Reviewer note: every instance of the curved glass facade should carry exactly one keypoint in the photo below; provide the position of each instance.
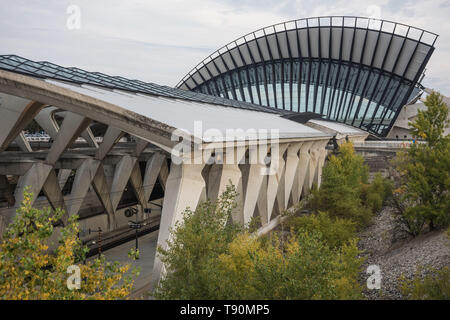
(350, 72)
(344, 93)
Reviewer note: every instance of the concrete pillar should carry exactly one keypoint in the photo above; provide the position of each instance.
(100, 186)
(86, 134)
(163, 174)
(219, 178)
(290, 175)
(303, 167)
(47, 121)
(122, 174)
(89, 137)
(222, 174)
(6, 190)
(322, 153)
(313, 163)
(152, 170)
(140, 147)
(83, 178)
(275, 180)
(71, 128)
(53, 193)
(63, 175)
(15, 114)
(111, 137)
(136, 184)
(34, 179)
(254, 174)
(23, 143)
(185, 185)
(261, 203)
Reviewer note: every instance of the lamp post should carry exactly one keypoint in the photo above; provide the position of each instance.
(136, 225)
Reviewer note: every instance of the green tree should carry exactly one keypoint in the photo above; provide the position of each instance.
(423, 197)
(210, 259)
(341, 190)
(377, 192)
(195, 245)
(29, 269)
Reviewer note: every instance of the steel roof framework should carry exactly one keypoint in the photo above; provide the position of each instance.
(355, 70)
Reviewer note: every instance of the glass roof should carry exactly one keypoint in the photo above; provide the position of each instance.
(44, 69)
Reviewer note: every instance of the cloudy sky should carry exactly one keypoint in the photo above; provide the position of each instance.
(160, 41)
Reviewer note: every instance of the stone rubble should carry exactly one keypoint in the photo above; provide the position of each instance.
(387, 246)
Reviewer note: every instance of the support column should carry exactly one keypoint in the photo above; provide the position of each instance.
(83, 178)
(152, 170)
(290, 175)
(70, 130)
(5, 190)
(303, 167)
(140, 146)
(63, 175)
(252, 189)
(100, 186)
(322, 155)
(136, 184)
(261, 204)
(219, 178)
(122, 174)
(163, 174)
(276, 179)
(15, 114)
(47, 122)
(53, 193)
(86, 134)
(185, 185)
(89, 137)
(23, 143)
(111, 137)
(34, 179)
(314, 159)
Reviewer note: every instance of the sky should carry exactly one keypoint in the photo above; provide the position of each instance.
(160, 41)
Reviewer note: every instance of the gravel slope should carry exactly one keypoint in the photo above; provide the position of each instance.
(385, 245)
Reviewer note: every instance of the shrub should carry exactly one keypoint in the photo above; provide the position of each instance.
(341, 190)
(435, 285)
(335, 231)
(192, 253)
(208, 259)
(376, 193)
(303, 268)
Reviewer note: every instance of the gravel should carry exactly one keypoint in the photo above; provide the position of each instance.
(395, 253)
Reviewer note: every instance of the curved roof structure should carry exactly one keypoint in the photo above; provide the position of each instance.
(148, 111)
(358, 71)
(49, 70)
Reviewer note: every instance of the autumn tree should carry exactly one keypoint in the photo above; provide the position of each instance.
(31, 270)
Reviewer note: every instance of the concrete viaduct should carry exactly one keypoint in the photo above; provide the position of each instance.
(127, 149)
